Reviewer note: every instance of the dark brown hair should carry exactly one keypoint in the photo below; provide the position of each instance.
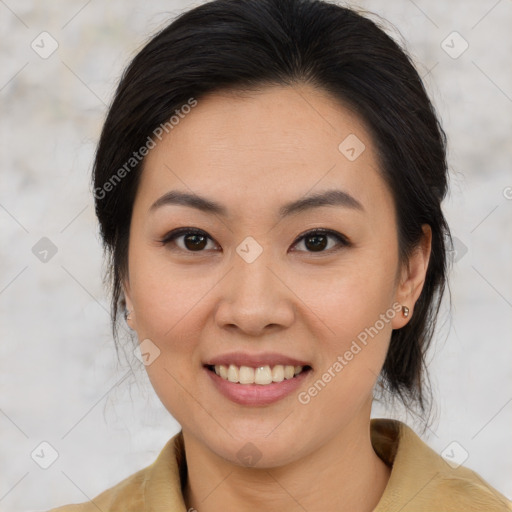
(248, 44)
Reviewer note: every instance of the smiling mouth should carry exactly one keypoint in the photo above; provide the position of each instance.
(262, 375)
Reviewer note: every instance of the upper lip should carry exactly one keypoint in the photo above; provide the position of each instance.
(255, 360)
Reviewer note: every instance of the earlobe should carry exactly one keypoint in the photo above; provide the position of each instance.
(413, 278)
(129, 314)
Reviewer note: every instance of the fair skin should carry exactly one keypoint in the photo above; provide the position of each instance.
(253, 153)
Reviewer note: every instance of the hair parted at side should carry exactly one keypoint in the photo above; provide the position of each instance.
(247, 45)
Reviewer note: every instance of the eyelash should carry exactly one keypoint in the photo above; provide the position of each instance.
(341, 239)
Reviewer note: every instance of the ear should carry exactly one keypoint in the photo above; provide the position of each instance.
(129, 304)
(412, 277)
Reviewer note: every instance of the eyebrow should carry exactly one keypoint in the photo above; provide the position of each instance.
(328, 198)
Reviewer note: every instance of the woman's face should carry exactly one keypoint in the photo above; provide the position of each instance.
(248, 286)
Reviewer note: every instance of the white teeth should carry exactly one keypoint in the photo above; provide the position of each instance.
(289, 372)
(262, 375)
(278, 373)
(223, 371)
(233, 373)
(246, 375)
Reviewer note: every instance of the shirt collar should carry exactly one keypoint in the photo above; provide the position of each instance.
(416, 470)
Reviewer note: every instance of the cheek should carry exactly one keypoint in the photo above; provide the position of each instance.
(168, 305)
(352, 298)
(165, 295)
(351, 354)
(354, 312)
(168, 302)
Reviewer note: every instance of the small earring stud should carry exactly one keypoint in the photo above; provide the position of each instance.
(405, 311)
(127, 314)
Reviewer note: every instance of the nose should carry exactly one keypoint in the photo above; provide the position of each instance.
(254, 297)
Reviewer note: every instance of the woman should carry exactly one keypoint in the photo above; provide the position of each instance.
(268, 184)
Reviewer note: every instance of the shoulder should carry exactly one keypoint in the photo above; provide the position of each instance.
(422, 480)
(127, 495)
(464, 489)
(156, 484)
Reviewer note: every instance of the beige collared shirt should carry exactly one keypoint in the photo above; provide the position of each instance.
(421, 480)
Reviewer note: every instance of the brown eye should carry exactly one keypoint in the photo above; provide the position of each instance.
(194, 242)
(318, 240)
(191, 240)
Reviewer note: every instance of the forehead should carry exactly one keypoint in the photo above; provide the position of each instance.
(254, 149)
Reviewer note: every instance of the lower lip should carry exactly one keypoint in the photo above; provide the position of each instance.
(256, 394)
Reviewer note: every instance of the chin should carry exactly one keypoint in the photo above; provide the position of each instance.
(251, 448)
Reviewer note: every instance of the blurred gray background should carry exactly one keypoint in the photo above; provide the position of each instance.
(60, 380)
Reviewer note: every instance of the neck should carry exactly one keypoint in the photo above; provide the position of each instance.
(344, 474)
